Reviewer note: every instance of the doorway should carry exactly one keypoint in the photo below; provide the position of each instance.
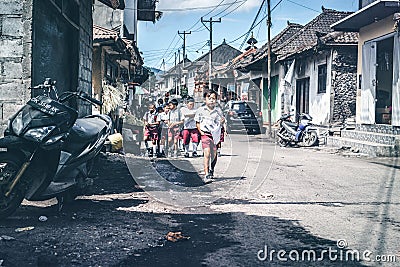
(302, 95)
(56, 44)
(384, 81)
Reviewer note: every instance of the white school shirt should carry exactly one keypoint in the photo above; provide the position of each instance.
(150, 117)
(163, 119)
(210, 121)
(174, 115)
(188, 122)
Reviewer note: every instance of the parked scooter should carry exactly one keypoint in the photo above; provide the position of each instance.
(49, 151)
(300, 132)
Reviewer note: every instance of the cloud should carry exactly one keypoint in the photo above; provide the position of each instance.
(191, 5)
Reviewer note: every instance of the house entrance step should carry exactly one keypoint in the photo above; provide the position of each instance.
(381, 138)
(378, 128)
(370, 148)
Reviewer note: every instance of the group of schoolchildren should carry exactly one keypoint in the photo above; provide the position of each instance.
(171, 128)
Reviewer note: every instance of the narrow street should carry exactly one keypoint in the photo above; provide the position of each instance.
(265, 199)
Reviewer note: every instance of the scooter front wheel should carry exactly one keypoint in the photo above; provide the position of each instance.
(9, 167)
(310, 138)
(282, 143)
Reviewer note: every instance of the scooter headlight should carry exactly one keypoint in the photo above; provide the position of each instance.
(18, 124)
(38, 134)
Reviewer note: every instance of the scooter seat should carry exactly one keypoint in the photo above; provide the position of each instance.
(291, 124)
(86, 129)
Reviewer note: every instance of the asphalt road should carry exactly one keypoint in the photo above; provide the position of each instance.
(269, 206)
(340, 204)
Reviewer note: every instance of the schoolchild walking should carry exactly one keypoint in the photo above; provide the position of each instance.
(190, 132)
(163, 137)
(175, 121)
(151, 130)
(209, 119)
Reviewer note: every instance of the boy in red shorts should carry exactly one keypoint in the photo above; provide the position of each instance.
(151, 130)
(209, 119)
(175, 121)
(190, 131)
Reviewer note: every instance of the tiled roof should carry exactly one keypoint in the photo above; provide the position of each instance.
(285, 34)
(101, 34)
(307, 37)
(120, 4)
(221, 54)
(336, 38)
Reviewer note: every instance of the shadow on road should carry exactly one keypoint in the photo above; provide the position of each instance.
(115, 227)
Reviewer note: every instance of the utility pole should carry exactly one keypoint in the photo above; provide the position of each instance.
(184, 43)
(175, 82)
(211, 21)
(178, 85)
(269, 69)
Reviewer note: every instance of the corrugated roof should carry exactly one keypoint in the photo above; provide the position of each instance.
(101, 33)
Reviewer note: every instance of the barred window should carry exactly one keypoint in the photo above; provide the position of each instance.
(321, 79)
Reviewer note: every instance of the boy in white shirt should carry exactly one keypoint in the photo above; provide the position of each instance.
(209, 119)
(190, 131)
(151, 129)
(163, 130)
(175, 122)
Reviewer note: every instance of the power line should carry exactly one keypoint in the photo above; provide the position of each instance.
(187, 8)
(233, 10)
(226, 9)
(169, 46)
(251, 27)
(207, 14)
(304, 6)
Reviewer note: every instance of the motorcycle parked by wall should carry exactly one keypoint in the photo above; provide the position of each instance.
(48, 150)
(300, 132)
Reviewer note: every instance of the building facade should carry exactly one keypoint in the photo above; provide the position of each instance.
(41, 39)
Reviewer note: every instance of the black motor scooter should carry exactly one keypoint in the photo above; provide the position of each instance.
(47, 150)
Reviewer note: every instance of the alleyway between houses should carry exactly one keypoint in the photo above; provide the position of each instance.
(264, 198)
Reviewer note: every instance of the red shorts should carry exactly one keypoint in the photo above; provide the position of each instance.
(151, 133)
(174, 132)
(207, 141)
(188, 134)
(222, 137)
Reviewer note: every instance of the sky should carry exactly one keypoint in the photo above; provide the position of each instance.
(160, 41)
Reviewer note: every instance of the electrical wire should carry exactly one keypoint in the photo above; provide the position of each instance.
(293, 2)
(252, 24)
(186, 9)
(169, 46)
(251, 28)
(206, 15)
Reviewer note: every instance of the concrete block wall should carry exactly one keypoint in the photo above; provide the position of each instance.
(85, 53)
(15, 56)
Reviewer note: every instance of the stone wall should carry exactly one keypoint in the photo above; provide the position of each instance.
(344, 83)
(85, 53)
(15, 56)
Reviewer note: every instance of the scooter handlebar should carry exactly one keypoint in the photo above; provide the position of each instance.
(90, 99)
